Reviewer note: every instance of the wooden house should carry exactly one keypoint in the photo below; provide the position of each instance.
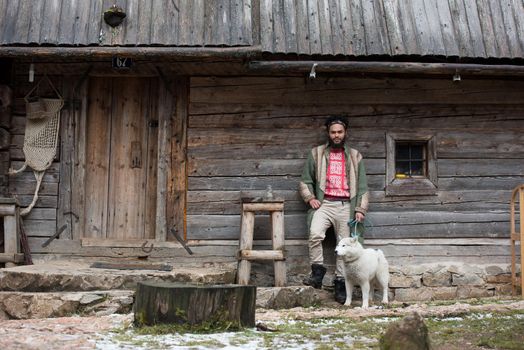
(170, 115)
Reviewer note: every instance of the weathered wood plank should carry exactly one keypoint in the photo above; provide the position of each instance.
(486, 24)
(290, 25)
(144, 27)
(385, 225)
(66, 158)
(518, 13)
(266, 24)
(44, 201)
(78, 161)
(337, 34)
(165, 130)
(177, 199)
(40, 228)
(394, 26)
(23, 21)
(325, 27)
(361, 91)
(248, 167)
(131, 28)
(451, 45)
(81, 23)
(481, 167)
(374, 26)
(409, 29)
(301, 25)
(97, 161)
(95, 22)
(270, 116)
(27, 187)
(431, 14)
(511, 29)
(164, 23)
(480, 144)
(8, 27)
(67, 21)
(475, 29)
(479, 183)
(501, 39)
(151, 161)
(279, 30)
(460, 25)
(313, 18)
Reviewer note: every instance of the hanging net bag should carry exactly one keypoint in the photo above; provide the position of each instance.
(41, 135)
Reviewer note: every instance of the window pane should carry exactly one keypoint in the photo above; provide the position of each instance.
(417, 152)
(402, 151)
(402, 167)
(417, 168)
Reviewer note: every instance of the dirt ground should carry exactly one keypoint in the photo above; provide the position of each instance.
(94, 332)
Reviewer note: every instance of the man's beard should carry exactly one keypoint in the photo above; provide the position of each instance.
(337, 145)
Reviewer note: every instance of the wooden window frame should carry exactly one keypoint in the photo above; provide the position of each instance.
(414, 186)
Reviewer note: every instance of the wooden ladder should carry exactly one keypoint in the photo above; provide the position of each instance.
(517, 197)
(246, 254)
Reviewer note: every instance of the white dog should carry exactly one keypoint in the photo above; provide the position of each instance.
(363, 267)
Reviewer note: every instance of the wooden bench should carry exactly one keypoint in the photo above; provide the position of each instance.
(246, 254)
(9, 211)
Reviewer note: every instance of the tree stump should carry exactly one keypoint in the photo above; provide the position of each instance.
(192, 304)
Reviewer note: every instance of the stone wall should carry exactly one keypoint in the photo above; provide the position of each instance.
(449, 281)
(421, 282)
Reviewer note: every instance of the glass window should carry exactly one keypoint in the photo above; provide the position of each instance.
(410, 159)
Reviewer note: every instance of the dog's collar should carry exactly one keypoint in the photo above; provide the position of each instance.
(348, 261)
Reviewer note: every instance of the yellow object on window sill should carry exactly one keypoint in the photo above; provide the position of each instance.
(401, 176)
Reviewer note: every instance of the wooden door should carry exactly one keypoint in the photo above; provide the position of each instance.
(121, 159)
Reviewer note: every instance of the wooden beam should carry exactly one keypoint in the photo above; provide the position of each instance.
(132, 52)
(276, 255)
(289, 67)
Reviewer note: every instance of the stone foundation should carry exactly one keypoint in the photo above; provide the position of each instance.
(424, 282)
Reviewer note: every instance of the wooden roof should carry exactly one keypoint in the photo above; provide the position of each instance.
(462, 28)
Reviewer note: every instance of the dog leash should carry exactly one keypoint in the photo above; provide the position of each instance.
(355, 223)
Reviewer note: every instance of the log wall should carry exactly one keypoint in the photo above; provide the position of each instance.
(247, 133)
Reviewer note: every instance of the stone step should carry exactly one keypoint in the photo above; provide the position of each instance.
(77, 275)
(25, 305)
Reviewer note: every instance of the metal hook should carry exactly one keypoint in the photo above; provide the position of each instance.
(313, 74)
(148, 250)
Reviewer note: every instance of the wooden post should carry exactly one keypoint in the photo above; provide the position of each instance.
(246, 242)
(277, 221)
(517, 196)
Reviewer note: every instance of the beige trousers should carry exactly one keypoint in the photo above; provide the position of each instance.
(330, 213)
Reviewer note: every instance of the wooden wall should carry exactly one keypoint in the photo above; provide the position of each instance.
(247, 133)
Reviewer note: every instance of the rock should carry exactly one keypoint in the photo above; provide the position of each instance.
(410, 333)
(501, 278)
(402, 281)
(445, 293)
(466, 292)
(494, 270)
(286, 297)
(437, 279)
(414, 294)
(22, 305)
(467, 279)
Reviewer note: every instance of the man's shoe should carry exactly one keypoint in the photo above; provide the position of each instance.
(340, 290)
(317, 275)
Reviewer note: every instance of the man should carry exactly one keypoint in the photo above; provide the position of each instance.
(334, 185)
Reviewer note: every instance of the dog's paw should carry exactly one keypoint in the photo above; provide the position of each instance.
(347, 303)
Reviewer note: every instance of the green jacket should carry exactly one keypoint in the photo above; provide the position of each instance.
(313, 181)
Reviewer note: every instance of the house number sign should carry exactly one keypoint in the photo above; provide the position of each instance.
(122, 62)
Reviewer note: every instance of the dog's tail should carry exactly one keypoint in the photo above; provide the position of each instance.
(382, 258)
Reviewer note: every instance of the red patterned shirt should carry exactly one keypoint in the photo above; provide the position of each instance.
(336, 182)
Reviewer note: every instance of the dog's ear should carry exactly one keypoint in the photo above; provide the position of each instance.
(353, 239)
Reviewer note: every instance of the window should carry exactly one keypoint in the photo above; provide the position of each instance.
(410, 160)
(411, 164)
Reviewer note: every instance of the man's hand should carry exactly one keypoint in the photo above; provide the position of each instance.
(314, 203)
(359, 216)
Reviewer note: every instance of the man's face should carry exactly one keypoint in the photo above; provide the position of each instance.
(337, 135)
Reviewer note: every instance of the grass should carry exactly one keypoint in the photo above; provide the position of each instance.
(470, 331)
